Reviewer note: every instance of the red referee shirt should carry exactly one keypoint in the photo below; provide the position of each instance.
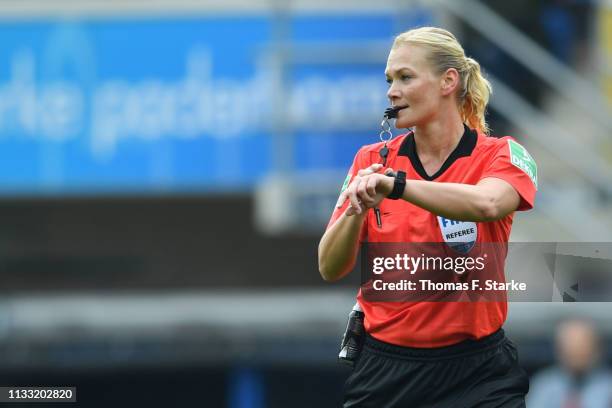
(436, 324)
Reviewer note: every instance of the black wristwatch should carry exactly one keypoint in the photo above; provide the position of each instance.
(399, 185)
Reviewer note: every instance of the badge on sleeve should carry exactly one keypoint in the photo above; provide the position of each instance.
(459, 235)
(520, 157)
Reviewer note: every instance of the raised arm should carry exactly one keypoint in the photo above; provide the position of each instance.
(489, 200)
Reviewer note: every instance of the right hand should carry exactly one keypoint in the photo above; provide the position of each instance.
(356, 206)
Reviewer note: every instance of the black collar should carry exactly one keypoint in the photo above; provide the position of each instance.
(464, 148)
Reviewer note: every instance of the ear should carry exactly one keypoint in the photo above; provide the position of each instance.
(449, 81)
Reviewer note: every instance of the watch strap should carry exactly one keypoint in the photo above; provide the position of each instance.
(399, 185)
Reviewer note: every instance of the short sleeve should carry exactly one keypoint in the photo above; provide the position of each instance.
(513, 164)
(361, 161)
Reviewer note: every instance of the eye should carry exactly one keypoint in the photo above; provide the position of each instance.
(406, 77)
(389, 81)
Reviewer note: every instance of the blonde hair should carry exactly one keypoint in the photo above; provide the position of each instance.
(444, 52)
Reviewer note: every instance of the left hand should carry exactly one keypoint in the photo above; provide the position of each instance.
(369, 190)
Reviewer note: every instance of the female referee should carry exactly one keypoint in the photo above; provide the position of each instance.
(446, 170)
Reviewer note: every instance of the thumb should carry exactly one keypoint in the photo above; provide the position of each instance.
(390, 172)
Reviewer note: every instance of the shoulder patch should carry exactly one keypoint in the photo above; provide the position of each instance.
(520, 157)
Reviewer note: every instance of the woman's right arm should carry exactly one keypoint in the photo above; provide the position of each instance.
(339, 246)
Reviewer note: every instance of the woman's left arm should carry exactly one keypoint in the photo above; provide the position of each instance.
(489, 200)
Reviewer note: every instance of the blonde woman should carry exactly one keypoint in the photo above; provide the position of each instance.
(445, 174)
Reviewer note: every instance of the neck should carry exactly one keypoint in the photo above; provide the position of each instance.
(437, 139)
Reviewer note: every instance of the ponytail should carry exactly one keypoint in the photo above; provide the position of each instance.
(475, 96)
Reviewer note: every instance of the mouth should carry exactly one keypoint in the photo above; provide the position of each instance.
(391, 113)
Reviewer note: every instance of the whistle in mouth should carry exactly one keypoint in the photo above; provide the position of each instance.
(391, 113)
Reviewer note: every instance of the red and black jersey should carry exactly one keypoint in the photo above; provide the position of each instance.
(477, 156)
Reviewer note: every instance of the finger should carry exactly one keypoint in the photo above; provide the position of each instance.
(341, 199)
(390, 172)
(343, 195)
(362, 191)
(352, 211)
(371, 186)
(370, 170)
(352, 196)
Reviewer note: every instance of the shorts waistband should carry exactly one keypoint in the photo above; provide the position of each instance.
(460, 349)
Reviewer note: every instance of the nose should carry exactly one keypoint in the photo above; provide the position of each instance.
(393, 93)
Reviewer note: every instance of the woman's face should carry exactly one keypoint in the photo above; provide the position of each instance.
(413, 85)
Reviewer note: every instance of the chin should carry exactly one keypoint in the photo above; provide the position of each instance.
(403, 123)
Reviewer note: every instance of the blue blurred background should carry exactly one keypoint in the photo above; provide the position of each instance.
(167, 168)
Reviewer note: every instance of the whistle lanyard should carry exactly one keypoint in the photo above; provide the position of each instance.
(385, 135)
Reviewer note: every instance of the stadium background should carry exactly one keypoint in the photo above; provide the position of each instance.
(167, 168)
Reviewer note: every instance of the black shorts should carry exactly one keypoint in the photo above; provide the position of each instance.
(475, 373)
